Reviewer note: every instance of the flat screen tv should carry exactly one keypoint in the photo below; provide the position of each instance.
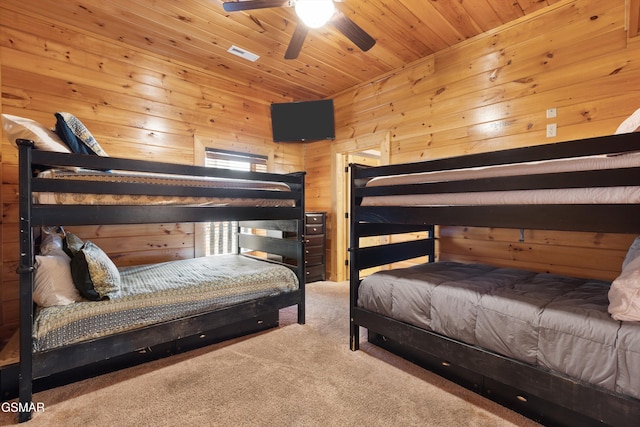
(303, 121)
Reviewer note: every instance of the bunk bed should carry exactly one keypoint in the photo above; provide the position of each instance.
(82, 189)
(542, 344)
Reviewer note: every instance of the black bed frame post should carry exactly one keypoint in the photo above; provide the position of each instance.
(354, 273)
(302, 274)
(26, 272)
(431, 230)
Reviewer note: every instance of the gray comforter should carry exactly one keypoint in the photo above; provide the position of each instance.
(557, 322)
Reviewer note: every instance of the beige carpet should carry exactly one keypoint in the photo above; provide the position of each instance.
(295, 375)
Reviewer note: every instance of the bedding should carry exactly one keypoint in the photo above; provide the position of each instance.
(53, 284)
(542, 319)
(624, 294)
(630, 124)
(600, 195)
(76, 135)
(159, 292)
(16, 127)
(576, 196)
(94, 274)
(159, 179)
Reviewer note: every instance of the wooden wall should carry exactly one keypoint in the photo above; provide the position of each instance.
(138, 106)
(491, 93)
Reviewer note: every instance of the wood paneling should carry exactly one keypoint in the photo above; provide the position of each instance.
(318, 194)
(579, 254)
(491, 92)
(198, 33)
(633, 15)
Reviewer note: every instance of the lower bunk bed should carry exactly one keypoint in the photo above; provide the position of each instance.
(545, 345)
(121, 313)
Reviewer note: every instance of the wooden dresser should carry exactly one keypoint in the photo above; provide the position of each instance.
(315, 246)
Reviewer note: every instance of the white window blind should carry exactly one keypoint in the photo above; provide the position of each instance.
(222, 236)
(235, 161)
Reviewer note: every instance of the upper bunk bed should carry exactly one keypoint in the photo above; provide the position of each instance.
(168, 305)
(488, 327)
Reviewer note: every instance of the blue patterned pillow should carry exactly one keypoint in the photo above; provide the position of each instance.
(77, 137)
(94, 275)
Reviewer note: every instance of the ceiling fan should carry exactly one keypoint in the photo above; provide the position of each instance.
(312, 14)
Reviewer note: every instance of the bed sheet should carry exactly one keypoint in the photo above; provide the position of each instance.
(159, 179)
(600, 195)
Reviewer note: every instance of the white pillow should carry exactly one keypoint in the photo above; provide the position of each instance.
(624, 293)
(631, 123)
(22, 128)
(53, 283)
(632, 253)
(50, 243)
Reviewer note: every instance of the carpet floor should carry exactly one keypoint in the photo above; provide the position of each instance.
(294, 375)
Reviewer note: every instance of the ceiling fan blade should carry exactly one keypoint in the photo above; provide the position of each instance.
(236, 6)
(352, 31)
(297, 39)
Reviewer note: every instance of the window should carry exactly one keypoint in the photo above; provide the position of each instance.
(222, 236)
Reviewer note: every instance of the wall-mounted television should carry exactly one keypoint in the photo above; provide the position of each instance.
(303, 121)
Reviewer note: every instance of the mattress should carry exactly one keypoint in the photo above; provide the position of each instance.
(598, 195)
(160, 292)
(546, 320)
(158, 179)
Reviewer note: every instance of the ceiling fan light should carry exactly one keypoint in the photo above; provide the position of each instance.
(315, 13)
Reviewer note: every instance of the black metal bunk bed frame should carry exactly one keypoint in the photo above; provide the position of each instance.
(535, 392)
(217, 325)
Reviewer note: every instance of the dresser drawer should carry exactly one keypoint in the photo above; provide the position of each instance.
(315, 273)
(313, 250)
(313, 260)
(311, 240)
(314, 229)
(314, 218)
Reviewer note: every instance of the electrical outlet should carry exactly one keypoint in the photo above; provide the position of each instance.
(551, 113)
(551, 130)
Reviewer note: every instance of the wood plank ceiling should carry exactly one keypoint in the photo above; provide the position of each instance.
(199, 32)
